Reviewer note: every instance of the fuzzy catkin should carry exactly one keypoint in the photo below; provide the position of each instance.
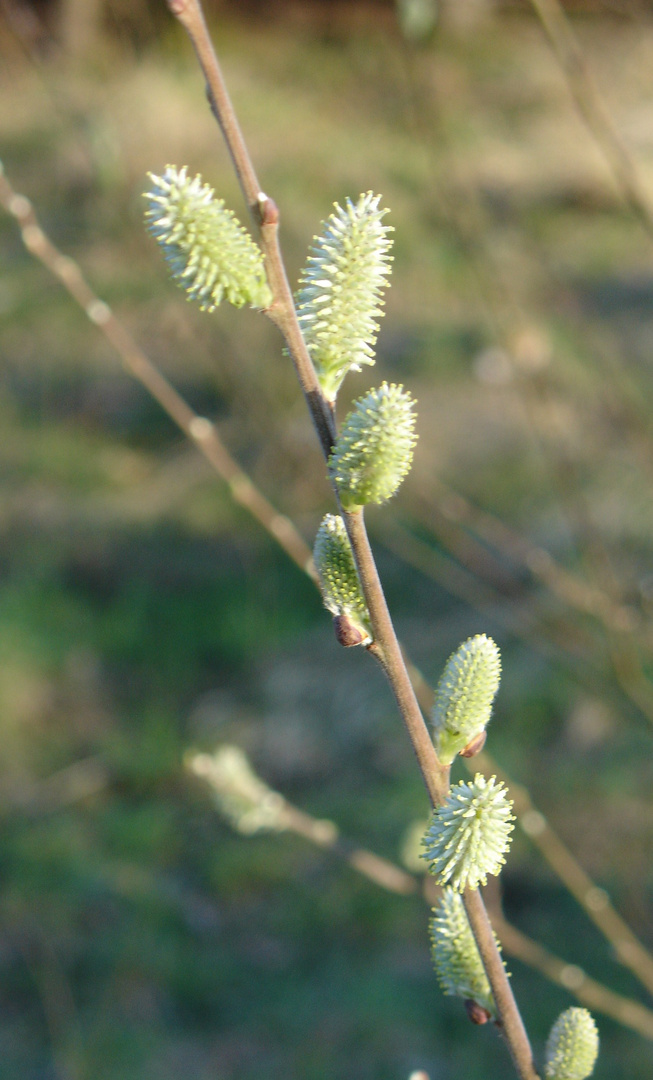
(339, 581)
(209, 253)
(374, 450)
(339, 301)
(469, 834)
(455, 954)
(572, 1046)
(464, 695)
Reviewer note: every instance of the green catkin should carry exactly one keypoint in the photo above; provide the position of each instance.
(469, 834)
(464, 696)
(339, 301)
(242, 797)
(374, 450)
(455, 955)
(572, 1046)
(339, 581)
(209, 253)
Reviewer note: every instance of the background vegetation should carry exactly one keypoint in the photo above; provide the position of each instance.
(142, 613)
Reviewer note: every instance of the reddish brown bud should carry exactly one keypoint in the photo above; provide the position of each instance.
(347, 633)
(476, 1013)
(475, 746)
(268, 209)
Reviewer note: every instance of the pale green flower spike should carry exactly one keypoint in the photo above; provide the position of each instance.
(469, 834)
(464, 696)
(455, 955)
(339, 300)
(572, 1046)
(241, 796)
(339, 581)
(374, 450)
(209, 253)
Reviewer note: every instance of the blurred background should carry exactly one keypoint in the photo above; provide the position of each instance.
(144, 615)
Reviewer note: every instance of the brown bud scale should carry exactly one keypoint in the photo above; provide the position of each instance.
(347, 633)
(476, 1013)
(475, 745)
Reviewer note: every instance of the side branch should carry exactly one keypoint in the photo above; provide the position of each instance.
(206, 438)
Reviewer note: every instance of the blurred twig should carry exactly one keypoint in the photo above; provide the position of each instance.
(592, 108)
(594, 900)
(517, 617)
(80, 780)
(575, 593)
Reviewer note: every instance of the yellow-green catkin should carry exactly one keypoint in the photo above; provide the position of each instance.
(572, 1047)
(339, 581)
(455, 954)
(374, 450)
(469, 834)
(209, 253)
(464, 696)
(339, 301)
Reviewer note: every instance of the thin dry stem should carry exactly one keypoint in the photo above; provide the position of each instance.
(510, 1019)
(593, 110)
(387, 651)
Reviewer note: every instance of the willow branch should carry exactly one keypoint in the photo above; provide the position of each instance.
(387, 651)
(282, 312)
(594, 900)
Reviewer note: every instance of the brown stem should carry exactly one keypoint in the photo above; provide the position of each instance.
(387, 651)
(511, 1023)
